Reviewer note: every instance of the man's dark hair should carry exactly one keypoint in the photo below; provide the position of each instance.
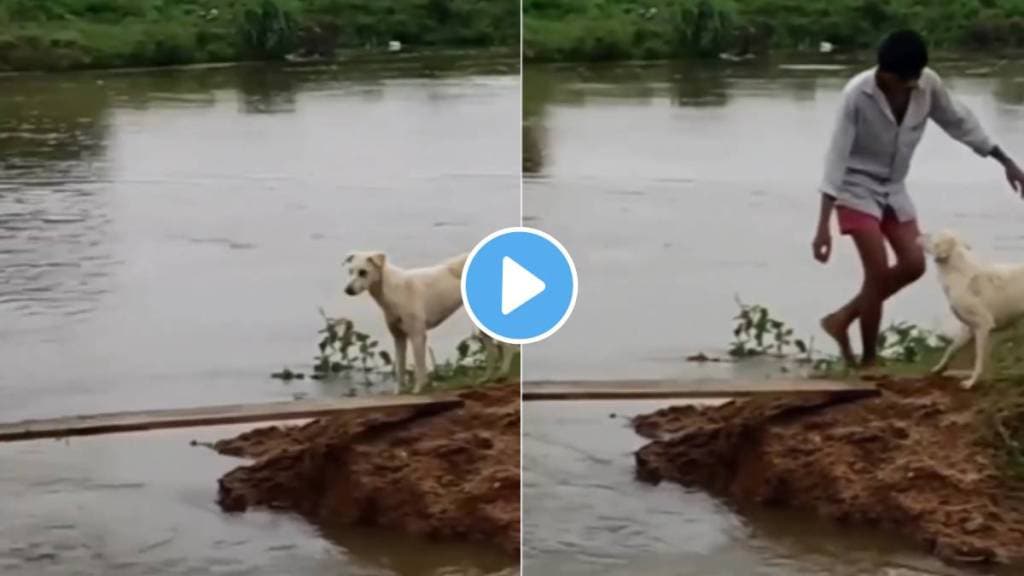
(903, 53)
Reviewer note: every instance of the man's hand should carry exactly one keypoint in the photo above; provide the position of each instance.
(1015, 177)
(822, 245)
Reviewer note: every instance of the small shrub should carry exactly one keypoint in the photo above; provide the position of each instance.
(350, 355)
(907, 343)
(343, 348)
(268, 29)
(757, 333)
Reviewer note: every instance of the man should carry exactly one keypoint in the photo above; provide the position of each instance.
(881, 120)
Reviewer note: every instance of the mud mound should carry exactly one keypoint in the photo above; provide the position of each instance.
(916, 459)
(452, 475)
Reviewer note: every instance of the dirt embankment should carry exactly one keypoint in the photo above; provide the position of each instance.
(919, 459)
(453, 475)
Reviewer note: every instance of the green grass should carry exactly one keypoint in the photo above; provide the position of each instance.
(1006, 360)
(70, 34)
(458, 377)
(575, 30)
(345, 353)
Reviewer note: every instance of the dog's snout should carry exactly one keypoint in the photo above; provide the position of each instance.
(350, 291)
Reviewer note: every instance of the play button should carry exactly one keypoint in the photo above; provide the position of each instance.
(519, 285)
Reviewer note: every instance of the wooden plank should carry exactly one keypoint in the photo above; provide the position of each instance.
(116, 422)
(676, 389)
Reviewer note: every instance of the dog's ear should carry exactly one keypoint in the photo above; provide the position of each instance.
(377, 259)
(348, 258)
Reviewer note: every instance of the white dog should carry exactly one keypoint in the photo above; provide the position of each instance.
(983, 297)
(414, 301)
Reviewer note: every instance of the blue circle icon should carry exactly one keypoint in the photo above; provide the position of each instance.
(519, 285)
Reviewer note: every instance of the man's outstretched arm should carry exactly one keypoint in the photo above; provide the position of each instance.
(959, 122)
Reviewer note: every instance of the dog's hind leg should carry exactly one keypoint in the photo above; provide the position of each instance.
(981, 334)
(959, 341)
(401, 344)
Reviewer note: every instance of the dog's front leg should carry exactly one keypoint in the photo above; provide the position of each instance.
(980, 352)
(419, 358)
(959, 341)
(401, 344)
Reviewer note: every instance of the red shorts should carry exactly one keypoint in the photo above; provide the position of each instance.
(851, 220)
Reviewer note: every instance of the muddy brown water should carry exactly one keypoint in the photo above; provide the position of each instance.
(677, 188)
(165, 240)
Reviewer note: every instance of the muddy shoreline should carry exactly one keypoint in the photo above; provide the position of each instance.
(918, 459)
(452, 475)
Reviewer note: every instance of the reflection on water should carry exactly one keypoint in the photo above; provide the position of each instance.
(165, 240)
(54, 246)
(678, 188)
(264, 90)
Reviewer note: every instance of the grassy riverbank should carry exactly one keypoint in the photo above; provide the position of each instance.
(71, 34)
(579, 30)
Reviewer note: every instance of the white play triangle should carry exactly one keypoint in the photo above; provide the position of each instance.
(518, 285)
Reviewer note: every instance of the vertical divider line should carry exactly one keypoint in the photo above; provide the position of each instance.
(522, 348)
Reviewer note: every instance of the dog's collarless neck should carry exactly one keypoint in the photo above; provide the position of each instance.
(377, 288)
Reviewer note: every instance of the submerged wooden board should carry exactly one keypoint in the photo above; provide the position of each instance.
(671, 389)
(111, 423)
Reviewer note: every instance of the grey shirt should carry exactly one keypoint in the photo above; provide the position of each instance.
(870, 153)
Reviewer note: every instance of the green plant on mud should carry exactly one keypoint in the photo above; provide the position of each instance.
(470, 361)
(907, 343)
(901, 345)
(1000, 397)
(1003, 415)
(757, 333)
(343, 349)
(346, 354)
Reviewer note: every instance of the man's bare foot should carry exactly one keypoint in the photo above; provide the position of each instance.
(870, 368)
(833, 326)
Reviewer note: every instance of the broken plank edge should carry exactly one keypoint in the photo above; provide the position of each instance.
(682, 395)
(695, 390)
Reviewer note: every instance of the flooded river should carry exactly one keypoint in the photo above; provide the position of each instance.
(585, 514)
(165, 240)
(678, 188)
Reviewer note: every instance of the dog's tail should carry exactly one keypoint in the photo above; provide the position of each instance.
(456, 264)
